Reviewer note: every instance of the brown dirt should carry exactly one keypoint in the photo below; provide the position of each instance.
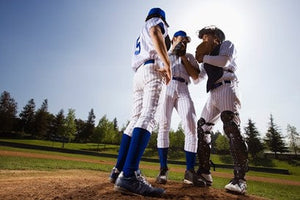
(91, 185)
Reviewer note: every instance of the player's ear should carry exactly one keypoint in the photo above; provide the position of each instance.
(173, 40)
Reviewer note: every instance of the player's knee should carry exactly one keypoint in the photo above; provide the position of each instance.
(231, 129)
(203, 135)
(200, 125)
(227, 116)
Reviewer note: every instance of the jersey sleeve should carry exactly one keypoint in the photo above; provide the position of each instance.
(227, 49)
(192, 60)
(157, 21)
(194, 63)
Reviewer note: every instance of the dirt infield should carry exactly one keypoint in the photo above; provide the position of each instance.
(91, 185)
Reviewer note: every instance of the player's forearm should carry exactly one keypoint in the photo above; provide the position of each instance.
(159, 45)
(192, 71)
(219, 61)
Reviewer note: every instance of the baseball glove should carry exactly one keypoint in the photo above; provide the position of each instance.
(179, 49)
(203, 49)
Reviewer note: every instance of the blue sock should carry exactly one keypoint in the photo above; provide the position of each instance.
(139, 141)
(124, 146)
(190, 160)
(163, 156)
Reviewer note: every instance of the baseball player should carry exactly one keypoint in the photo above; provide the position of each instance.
(150, 49)
(219, 66)
(176, 95)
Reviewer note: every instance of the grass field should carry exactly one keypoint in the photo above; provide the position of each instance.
(263, 189)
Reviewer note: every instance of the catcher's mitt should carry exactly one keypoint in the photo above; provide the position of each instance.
(203, 49)
(179, 49)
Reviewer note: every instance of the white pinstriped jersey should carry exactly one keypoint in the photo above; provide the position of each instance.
(226, 96)
(176, 95)
(144, 48)
(147, 81)
(226, 49)
(178, 69)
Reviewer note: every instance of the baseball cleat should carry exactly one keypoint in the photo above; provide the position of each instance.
(191, 178)
(162, 176)
(136, 185)
(207, 178)
(237, 186)
(114, 175)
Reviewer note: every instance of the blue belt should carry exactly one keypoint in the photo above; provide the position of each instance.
(219, 84)
(179, 79)
(151, 61)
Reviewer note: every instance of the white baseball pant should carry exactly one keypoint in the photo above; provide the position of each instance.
(147, 83)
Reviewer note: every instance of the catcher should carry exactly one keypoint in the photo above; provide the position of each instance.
(218, 56)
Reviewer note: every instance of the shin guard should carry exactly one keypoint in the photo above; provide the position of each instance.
(238, 147)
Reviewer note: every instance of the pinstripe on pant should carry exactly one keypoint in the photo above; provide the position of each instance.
(220, 99)
(147, 85)
(176, 95)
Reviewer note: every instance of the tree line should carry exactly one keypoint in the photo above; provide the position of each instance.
(38, 123)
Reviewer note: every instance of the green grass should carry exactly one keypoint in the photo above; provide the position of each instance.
(75, 146)
(22, 163)
(267, 190)
(113, 149)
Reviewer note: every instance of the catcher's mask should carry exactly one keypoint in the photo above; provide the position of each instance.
(212, 30)
(183, 34)
(157, 12)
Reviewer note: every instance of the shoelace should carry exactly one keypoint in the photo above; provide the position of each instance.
(141, 178)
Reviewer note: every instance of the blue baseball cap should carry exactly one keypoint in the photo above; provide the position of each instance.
(183, 34)
(157, 12)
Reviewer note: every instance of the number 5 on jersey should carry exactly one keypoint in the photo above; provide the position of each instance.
(137, 47)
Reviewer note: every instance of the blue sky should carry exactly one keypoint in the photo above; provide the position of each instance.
(77, 54)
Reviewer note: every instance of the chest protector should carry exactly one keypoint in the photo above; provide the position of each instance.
(214, 73)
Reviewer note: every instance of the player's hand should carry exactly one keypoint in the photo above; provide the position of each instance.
(165, 73)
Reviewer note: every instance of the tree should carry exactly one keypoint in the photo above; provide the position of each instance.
(153, 139)
(252, 139)
(8, 111)
(70, 125)
(177, 138)
(115, 121)
(80, 127)
(214, 137)
(42, 121)
(107, 131)
(59, 127)
(293, 138)
(273, 139)
(89, 126)
(27, 116)
(222, 144)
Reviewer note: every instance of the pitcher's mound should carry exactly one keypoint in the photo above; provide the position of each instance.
(92, 185)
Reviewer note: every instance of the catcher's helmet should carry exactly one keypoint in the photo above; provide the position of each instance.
(212, 30)
(157, 12)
